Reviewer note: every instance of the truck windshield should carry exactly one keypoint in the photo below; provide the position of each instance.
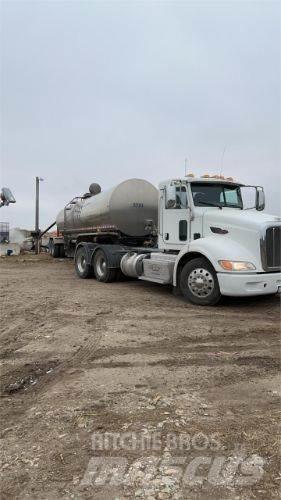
(213, 194)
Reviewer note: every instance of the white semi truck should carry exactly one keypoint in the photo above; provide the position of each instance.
(206, 236)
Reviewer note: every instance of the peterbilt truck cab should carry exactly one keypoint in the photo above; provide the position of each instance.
(213, 240)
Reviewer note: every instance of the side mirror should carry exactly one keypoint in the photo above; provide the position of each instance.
(171, 200)
(260, 199)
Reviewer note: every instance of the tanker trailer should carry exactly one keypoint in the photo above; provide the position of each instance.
(124, 215)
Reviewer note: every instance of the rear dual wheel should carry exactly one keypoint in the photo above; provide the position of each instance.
(101, 268)
(56, 250)
(98, 269)
(83, 269)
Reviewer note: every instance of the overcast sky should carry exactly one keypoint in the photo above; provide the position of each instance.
(104, 91)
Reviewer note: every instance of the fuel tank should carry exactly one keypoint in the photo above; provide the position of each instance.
(125, 208)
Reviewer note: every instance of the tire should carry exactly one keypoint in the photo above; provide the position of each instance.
(51, 244)
(62, 252)
(102, 271)
(55, 250)
(199, 283)
(82, 268)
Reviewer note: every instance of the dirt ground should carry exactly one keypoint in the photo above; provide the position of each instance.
(191, 394)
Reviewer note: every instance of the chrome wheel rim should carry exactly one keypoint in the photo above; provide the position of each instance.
(100, 265)
(81, 263)
(201, 282)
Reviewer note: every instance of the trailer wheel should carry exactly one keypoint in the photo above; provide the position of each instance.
(199, 283)
(83, 269)
(55, 250)
(102, 271)
(62, 252)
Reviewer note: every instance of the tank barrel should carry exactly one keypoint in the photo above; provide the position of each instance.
(125, 209)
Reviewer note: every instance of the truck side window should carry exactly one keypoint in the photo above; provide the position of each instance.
(231, 197)
(181, 199)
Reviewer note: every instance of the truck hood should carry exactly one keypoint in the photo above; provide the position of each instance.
(241, 238)
(233, 217)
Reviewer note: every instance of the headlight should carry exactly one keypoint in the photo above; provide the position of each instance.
(230, 265)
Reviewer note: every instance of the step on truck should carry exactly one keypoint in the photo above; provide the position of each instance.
(206, 236)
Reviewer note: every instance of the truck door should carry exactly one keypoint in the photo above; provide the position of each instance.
(175, 218)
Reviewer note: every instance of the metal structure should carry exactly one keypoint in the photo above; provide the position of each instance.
(37, 230)
(4, 232)
(6, 197)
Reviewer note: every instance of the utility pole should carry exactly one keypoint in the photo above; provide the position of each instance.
(37, 231)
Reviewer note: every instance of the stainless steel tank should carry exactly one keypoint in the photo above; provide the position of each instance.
(125, 208)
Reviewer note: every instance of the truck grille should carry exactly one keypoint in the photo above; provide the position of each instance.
(272, 249)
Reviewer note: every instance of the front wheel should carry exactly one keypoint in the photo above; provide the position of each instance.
(199, 282)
